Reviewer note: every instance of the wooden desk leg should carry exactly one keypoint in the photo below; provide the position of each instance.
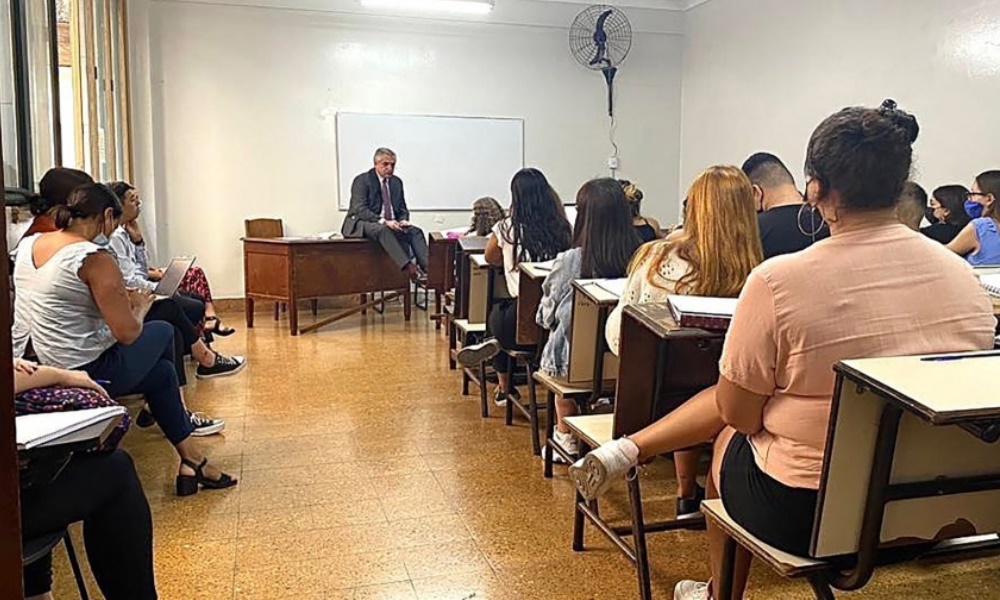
(293, 315)
(248, 309)
(407, 303)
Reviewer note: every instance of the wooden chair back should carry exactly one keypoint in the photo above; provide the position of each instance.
(263, 228)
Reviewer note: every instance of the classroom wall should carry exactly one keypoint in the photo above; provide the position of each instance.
(761, 74)
(241, 102)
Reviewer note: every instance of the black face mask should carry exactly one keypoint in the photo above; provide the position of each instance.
(929, 215)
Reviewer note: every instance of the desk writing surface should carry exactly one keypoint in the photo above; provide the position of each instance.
(597, 293)
(473, 244)
(940, 391)
(657, 318)
(534, 270)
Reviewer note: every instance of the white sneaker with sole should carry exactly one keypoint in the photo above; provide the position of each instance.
(569, 444)
(593, 473)
(691, 590)
(472, 355)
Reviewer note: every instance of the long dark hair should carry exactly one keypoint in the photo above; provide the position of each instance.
(604, 231)
(539, 229)
(86, 202)
(952, 197)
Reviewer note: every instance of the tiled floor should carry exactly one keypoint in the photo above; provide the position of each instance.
(365, 474)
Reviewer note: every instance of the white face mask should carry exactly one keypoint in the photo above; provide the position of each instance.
(101, 240)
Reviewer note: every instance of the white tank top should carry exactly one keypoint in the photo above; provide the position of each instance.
(55, 308)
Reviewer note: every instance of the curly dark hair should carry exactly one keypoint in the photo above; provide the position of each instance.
(539, 228)
(865, 154)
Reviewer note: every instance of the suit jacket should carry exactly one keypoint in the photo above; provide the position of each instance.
(366, 203)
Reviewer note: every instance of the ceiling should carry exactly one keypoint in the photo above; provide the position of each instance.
(650, 4)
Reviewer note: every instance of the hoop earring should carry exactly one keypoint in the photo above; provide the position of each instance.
(815, 229)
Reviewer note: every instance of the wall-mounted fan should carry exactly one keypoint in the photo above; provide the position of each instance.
(600, 39)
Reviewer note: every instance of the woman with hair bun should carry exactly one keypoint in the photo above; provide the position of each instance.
(53, 191)
(647, 228)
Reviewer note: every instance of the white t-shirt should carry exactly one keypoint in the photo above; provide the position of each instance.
(502, 231)
(55, 308)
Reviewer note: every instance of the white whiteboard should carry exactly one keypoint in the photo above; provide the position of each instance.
(446, 163)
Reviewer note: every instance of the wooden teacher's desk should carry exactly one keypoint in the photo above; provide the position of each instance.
(292, 269)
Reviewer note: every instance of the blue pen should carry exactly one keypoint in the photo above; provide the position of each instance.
(102, 382)
(958, 357)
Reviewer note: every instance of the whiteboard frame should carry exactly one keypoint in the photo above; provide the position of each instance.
(345, 203)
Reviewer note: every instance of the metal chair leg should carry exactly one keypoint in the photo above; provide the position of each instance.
(75, 565)
(821, 588)
(578, 517)
(550, 426)
(728, 566)
(536, 445)
(639, 535)
(483, 395)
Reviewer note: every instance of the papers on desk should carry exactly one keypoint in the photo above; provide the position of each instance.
(991, 283)
(454, 234)
(59, 428)
(702, 312)
(546, 265)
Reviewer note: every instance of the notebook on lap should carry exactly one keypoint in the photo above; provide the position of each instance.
(172, 277)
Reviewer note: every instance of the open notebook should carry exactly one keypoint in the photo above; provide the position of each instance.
(991, 283)
(59, 428)
(702, 312)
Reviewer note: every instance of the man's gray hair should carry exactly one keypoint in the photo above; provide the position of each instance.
(384, 152)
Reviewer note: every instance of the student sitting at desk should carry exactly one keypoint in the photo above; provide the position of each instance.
(103, 491)
(979, 242)
(604, 241)
(135, 267)
(711, 256)
(647, 227)
(798, 315)
(535, 231)
(130, 256)
(72, 303)
(486, 213)
(947, 213)
(785, 224)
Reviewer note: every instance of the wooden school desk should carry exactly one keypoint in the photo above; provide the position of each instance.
(661, 366)
(292, 269)
(529, 296)
(910, 457)
(589, 358)
(467, 247)
(440, 269)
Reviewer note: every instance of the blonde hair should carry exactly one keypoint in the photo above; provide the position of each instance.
(720, 240)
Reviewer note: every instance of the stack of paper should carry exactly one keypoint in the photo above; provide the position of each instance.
(614, 286)
(58, 428)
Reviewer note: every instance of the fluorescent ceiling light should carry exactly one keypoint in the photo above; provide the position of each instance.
(474, 7)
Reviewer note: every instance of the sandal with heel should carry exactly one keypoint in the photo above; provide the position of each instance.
(188, 485)
(217, 327)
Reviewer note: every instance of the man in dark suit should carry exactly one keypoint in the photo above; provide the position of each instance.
(378, 212)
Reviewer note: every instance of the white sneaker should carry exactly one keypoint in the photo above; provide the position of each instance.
(567, 441)
(593, 473)
(499, 399)
(691, 590)
(474, 354)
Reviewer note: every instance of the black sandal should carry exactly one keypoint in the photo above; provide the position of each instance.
(217, 329)
(187, 485)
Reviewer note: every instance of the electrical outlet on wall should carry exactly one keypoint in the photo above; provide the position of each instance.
(439, 219)
(613, 162)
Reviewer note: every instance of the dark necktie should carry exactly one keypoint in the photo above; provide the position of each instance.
(386, 203)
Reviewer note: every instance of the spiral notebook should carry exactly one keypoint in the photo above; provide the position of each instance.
(702, 312)
(991, 283)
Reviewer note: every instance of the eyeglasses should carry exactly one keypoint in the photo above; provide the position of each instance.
(971, 195)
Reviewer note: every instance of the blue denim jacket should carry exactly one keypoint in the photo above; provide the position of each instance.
(555, 312)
